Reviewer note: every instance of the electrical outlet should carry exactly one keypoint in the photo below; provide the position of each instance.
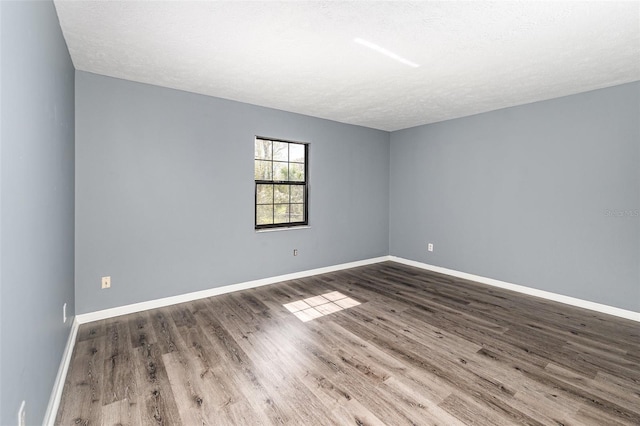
(64, 313)
(430, 247)
(295, 252)
(22, 414)
(106, 282)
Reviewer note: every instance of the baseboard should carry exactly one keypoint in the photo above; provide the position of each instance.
(58, 386)
(598, 307)
(187, 297)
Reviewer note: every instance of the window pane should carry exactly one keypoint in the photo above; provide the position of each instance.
(281, 213)
(297, 193)
(263, 149)
(296, 172)
(281, 194)
(296, 152)
(264, 194)
(280, 171)
(280, 204)
(297, 212)
(281, 151)
(263, 170)
(264, 215)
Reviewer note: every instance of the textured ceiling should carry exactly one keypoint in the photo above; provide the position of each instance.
(303, 57)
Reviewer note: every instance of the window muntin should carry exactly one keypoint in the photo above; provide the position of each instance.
(281, 183)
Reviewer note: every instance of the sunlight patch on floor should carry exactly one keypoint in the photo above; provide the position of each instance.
(319, 306)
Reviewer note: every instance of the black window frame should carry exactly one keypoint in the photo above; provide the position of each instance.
(304, 184)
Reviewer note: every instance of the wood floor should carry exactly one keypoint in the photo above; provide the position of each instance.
(420, 348)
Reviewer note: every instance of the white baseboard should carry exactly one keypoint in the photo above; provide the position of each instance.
(166, 301)
(598, 307)
(58, 386)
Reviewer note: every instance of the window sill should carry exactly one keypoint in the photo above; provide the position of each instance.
(289, 228)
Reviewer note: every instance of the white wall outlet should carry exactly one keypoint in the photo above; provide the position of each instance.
(106, 282)
(64, 313)
(295, 252)
(430, 247)
(22, 414)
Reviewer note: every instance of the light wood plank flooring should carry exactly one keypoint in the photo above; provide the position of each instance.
(420, 348)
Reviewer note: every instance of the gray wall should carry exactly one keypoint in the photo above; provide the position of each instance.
(164, 195)
(522, 195)
(36, 204)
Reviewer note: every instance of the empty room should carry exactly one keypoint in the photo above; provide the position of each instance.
(319, 213)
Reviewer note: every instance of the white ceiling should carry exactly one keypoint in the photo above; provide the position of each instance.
(302, 56)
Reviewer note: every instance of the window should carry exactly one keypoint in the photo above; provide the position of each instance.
(281, 175)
